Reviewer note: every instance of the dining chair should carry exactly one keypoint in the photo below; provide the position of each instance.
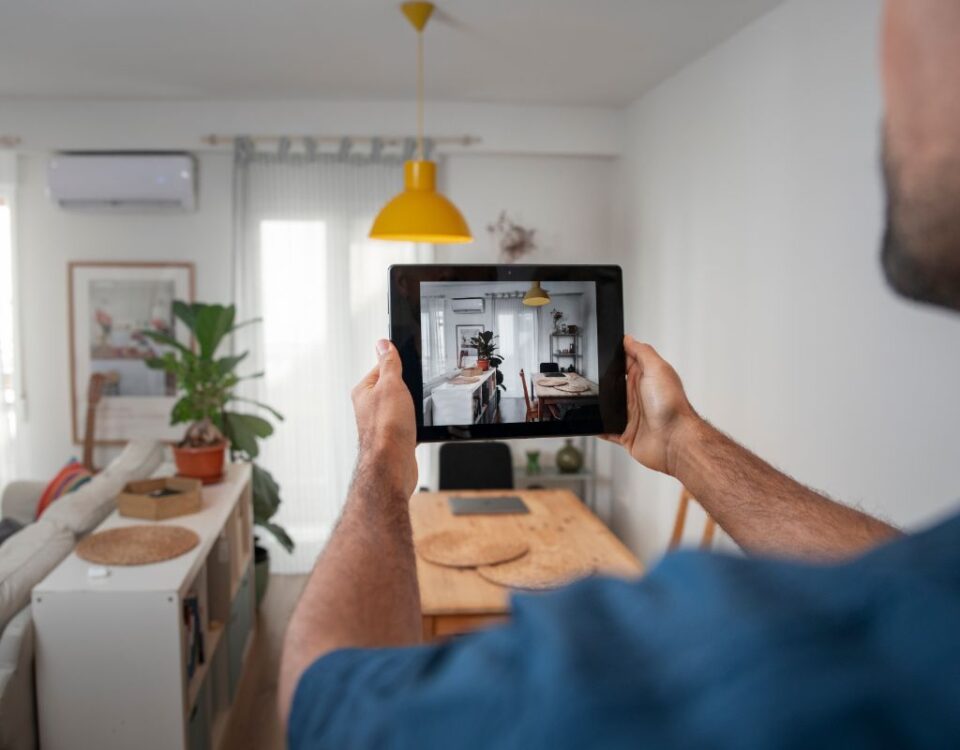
(709, 528)
(531, 415)
(476, 466)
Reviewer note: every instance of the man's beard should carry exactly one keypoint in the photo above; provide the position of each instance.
(921, 243)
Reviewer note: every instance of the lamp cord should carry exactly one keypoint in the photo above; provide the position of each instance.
(420, 95)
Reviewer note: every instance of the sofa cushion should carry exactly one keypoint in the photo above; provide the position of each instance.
(25, 560)
(70, 478)
(83, 510)
(8, 527)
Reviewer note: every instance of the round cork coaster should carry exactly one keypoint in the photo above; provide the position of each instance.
(464, 549)
(137, 545)
(541, 569)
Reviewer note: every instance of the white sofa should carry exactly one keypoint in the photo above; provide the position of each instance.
(29, 555)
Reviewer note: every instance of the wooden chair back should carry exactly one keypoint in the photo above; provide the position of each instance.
(94, 393)
(709, 528)
(526, 393)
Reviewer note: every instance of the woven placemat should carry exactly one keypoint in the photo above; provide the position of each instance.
(541, 569)
(573, 388)
(464, 549)
(137, 545)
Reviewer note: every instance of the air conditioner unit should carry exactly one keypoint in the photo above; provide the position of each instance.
(467, 305)
(123, 181)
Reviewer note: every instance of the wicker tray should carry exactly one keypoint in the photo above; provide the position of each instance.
(137, 545)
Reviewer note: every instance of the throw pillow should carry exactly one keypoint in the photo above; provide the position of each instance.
(8, 527)
(71, 477)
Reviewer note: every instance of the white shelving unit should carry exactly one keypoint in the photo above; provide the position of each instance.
(112, 652)
(582, 482)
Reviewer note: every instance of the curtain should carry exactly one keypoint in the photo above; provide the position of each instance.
(304, 264)
(433, 337)
(517, 326)
(8, 403)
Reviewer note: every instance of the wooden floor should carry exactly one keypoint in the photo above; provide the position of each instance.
(253, 719)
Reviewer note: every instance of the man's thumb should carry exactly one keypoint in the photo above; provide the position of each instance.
(389, 359)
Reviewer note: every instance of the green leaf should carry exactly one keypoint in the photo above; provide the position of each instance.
(257, 425)
(211, 324)
(266, 494)
(279, 534)
(183, 411)
(227, 364)
(250, 322)
(165, 339)
(242, 438)
(277, 415)
(186, 313)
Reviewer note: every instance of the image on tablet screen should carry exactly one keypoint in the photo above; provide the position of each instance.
(509, 352)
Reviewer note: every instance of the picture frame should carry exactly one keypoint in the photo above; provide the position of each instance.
(109, 304)
(466, 334)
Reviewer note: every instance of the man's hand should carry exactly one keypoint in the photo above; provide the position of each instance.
(386, 423)
(658, 413)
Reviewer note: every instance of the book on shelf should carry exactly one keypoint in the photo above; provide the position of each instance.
(193, 633)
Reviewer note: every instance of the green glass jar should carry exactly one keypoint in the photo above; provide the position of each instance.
(533, 463)
(569, 458)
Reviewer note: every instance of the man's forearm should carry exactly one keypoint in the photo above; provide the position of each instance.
(363, 590)
(762, 509)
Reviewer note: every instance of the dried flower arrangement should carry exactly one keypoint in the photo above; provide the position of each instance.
(514, 240)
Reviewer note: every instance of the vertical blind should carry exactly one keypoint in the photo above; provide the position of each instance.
(305, 265)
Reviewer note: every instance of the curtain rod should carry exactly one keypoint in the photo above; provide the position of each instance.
(228, 140)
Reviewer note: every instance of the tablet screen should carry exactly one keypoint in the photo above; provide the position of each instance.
(491, 351)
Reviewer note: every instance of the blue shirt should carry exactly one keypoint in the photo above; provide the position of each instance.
(705, 651)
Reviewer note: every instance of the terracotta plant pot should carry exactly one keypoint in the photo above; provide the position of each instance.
(483, 364)
(205, 464)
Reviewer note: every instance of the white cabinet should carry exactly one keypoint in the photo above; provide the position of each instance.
(114, 668)
(466, 403)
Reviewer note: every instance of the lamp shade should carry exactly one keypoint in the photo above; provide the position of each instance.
(420, 213)
(536, 296)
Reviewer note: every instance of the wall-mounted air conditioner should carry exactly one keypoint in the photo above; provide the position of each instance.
(123, 181)
(467, 305)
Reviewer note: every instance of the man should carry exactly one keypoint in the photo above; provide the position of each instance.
(706, 650)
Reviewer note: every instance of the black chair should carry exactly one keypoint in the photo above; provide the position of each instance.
(476, 466)
(549, 367)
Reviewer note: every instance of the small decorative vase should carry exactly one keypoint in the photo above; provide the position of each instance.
(533, 463)
(569, 459)
(483, 364)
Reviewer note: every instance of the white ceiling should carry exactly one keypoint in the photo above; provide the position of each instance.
(585, 52)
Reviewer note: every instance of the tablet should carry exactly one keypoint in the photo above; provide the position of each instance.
(511, 351)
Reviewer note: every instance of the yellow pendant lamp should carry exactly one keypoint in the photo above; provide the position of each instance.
(536, 296)
(420, 213)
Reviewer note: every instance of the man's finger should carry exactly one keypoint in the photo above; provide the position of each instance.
(615, 439)
(389, 365)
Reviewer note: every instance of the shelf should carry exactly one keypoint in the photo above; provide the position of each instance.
(551, 473)
(212, 640)
(567, 354)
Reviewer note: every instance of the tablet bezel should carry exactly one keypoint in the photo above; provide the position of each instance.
(404, 313)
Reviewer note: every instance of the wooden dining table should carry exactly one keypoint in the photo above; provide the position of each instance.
(458, 600)
(566, 390)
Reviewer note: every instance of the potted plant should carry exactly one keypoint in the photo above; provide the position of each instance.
(207, 385)
(487, 356)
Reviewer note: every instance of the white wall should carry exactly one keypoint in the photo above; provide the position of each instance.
(48, 238)
(754, 213)
(566, 198)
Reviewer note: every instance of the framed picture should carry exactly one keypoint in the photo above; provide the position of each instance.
(110, 305)
(466, 334)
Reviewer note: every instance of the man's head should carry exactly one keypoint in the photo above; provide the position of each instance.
(921, 72)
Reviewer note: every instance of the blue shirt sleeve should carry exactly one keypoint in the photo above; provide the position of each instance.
(705, 651)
